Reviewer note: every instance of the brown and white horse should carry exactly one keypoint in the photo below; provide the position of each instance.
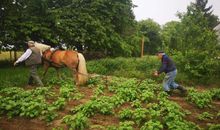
(67, 58)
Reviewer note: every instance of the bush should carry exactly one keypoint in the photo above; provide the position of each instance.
(198, 66)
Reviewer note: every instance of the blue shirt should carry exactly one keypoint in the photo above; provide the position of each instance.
(167, 65)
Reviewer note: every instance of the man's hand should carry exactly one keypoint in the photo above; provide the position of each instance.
(156, 73)
(15, 63)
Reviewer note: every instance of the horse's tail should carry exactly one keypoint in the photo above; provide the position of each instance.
(82, 71)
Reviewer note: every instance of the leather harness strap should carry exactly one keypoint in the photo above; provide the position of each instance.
(51, 63)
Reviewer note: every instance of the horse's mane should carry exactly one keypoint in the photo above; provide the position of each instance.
(42, 47)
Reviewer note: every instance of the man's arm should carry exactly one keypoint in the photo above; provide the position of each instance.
(164, 66)
(24, 56)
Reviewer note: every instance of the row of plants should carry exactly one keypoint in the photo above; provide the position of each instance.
(36, 102)
(27, 103)
(149, 107)
(203, 99)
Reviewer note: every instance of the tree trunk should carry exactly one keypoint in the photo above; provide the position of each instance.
(10, 56)
(142, 47)
(15, 55)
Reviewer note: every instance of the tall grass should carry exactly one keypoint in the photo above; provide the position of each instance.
(125, 67)
(13, 77)
(141, 68)
(18, 76)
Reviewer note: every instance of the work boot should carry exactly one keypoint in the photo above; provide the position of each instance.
(182, 89)
(168, 92)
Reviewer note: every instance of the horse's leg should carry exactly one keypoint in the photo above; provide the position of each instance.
(58, 74)
(75, 76)
(45, 69)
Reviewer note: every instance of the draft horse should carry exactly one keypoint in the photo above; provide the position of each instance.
(66, 58)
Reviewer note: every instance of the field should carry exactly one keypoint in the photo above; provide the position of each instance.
(124, 98)
(6, 55)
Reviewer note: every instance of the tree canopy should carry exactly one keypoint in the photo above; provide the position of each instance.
(99, 25)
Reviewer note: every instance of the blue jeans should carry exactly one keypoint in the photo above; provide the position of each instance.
(168, 81)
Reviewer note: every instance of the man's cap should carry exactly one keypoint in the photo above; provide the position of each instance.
(160, 52)
(30, 43)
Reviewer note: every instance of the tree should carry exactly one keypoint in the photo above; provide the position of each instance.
(151, 31)
(196, 32)
(170, 36)
(198, 44)
(207, 12)
(99, 25)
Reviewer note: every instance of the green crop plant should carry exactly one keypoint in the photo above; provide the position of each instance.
(99, 90)
(87, 109)
(136, 104)
(205, 116)
(59, 103)
(126, 114)
(201, 99)
(214, 127)
(140, 115)
(152, 125)
(216, 93)
(172, 116)
(126, 125)
(76, 122)
(147, 96)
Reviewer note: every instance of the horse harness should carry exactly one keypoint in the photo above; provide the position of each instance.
(51, 63)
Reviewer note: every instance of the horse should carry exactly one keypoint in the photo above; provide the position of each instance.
(66, 58)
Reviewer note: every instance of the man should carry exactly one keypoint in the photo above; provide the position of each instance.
(169, 68)
(32, 58)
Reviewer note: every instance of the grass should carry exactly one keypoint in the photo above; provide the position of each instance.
(18, 76)
(141, 68)
(13, 77)
(125, 67)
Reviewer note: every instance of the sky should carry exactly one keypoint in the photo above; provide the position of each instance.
(162, 11)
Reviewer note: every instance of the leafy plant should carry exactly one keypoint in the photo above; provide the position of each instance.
(147, 96)
(140, 115)
(214, 127)
(152, 125)
(215, 93)
(126, 114)
(201, 99)
(136, 104)
(126, 125)
(76, 122)
(59, 103)
(205, 116)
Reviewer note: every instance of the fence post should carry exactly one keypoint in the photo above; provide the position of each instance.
(142, 47)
